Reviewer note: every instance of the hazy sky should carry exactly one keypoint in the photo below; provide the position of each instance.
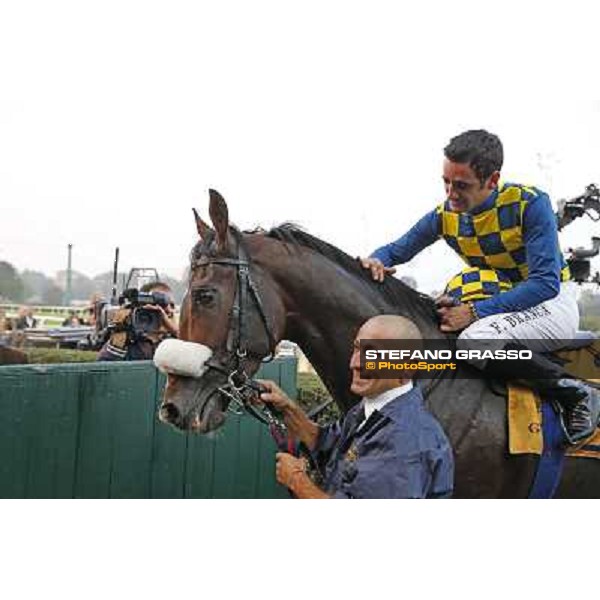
(116, 118)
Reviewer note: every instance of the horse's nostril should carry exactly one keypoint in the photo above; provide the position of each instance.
(169, 413)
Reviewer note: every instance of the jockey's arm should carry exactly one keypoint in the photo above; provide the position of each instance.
(540, 237)
(422, 234)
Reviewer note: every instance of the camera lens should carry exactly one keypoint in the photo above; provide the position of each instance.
(146, 320)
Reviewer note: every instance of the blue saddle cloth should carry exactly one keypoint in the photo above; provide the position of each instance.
(550, 465)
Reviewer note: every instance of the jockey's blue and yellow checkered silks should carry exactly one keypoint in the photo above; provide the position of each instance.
(473, 283)
(493, 237)
(512, 232)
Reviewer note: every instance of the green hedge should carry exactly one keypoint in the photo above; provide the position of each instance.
(54, 356)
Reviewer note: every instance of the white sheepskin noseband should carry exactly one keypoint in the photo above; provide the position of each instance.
(182, 358)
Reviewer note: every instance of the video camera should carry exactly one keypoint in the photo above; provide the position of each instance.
(580, 265)
(126, 312)
(586, 204)
(579, 259)
(143, 320)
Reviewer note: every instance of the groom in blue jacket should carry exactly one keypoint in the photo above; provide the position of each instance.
(387, 446)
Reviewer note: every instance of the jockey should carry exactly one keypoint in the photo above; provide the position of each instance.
(507, 234)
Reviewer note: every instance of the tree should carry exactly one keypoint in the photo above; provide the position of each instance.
(53, 295)
(36, 284)
(40, 289)
(82, 287)
(102, 283)
(11, 285)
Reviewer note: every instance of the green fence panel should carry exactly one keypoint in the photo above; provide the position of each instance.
(50, 434)
(169, 455)
(94, 452)
(132, 430)
(91, 431)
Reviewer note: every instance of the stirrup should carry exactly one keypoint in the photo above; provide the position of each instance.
(574, 440)
(560, 411)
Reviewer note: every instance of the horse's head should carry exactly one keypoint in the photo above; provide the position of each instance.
(231, 318)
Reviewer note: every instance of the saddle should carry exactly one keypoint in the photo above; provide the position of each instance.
(582, 357)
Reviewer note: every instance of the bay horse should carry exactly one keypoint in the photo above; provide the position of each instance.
(248, 290)
(12, 356)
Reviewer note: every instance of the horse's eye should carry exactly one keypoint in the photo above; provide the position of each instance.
(203, 296)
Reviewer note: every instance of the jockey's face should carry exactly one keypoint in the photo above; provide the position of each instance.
(463, 188)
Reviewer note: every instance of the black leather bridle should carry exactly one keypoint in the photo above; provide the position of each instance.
(240, 388)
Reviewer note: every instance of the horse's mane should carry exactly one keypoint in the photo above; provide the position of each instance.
(393, 290)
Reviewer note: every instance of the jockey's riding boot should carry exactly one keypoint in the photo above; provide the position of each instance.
(578, 402)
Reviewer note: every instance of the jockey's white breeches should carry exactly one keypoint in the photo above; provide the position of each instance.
(542, 328)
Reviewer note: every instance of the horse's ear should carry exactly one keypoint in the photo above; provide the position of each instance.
(219, 215)
(201, 226)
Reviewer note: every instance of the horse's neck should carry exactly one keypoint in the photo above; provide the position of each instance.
(325, 306)
(324, 311)
(327, 299)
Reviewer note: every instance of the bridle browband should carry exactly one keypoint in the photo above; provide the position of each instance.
(240, 387)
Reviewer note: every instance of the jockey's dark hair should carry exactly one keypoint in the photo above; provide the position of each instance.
(480, 149)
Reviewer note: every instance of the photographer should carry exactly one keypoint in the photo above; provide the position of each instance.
(128, 339)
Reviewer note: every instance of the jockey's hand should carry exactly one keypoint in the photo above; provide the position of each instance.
(289, 467)
(378, 270)
(273, 396)
(455, 318)
(446, 301)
